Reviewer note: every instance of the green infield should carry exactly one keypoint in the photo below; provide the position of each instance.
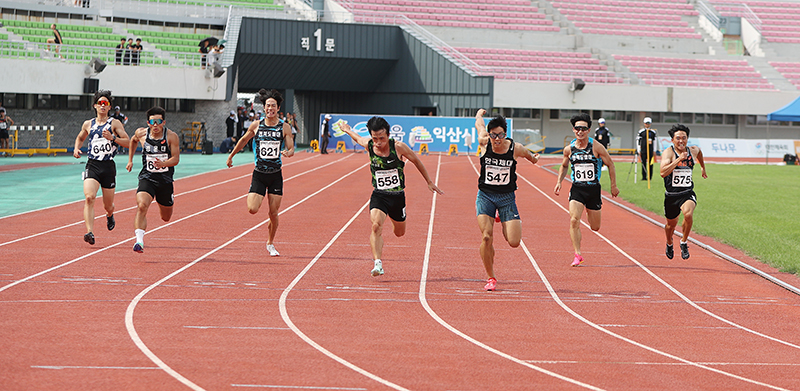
(752, 207)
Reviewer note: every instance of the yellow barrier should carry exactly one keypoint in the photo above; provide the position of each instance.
(16, 150)
(340, 147)
(423, 149)
(313, 147)
(453, 150)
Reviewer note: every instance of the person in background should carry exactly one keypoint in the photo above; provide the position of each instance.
(5, 124)
(57, 40)
(119, 52)
(126, 57)
(601, 134)
(645, 142)
(325, 134)
(119, 116)
(136, 51)
(230, 123)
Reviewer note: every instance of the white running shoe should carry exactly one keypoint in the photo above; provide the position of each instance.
(272, 251)
(378, 269)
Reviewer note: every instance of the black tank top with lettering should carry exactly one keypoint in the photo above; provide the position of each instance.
(153, 149)
(498, 171)
(387, 171)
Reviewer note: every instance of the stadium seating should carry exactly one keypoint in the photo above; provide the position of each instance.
(537, 65)
(488, 14)
(265, 4)
(697, 73)
(657, 19)
(789, 70)
(778, 19)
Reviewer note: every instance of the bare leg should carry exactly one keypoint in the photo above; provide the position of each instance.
(274, 206)
(575, 212)
(90, 187)
(376, 235)
(486, 224)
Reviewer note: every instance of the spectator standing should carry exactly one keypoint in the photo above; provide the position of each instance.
(293, 122)
(119, 116)
(325, 134)
(119, 52)
(57, 40)
(5, 123)
(240, 126)
(204, 49)
(230, 122)
(601, 134)
(136, 49)
(126, 57)
(645, 142)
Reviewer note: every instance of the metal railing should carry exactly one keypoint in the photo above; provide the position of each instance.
(742, 11)
(83, 54)
(707, 9)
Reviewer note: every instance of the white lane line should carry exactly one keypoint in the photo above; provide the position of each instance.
(665, 283)
(557, 299)
(5, 287)
(303, 336)
(745, 364)
(423, 299)
(297, 387)
(122, 210)
(88, 367)
(235, 328)
(132, 306)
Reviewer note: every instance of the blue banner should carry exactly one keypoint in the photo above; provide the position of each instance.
(437, 132)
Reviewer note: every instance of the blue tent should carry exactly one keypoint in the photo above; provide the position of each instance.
(790, 112)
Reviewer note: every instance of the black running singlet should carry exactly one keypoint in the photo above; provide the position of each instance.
(679, 181)
(387, 172)
(498, 171)
(586, 167)
(153, 149)
(267, 146)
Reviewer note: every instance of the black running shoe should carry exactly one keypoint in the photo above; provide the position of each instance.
(89, 238)
(110, 223)
(685, 250)
(670, 252)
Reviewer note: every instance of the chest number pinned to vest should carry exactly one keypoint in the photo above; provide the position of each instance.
(151, 160)
(269, 149)
(682, 177)
(497, 176)
(584, 172)
(387, 179)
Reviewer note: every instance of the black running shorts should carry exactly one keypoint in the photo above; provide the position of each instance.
(394, 205)
(673, 204)
(589, 196)
(103, 171)
(162, 192)
(263, 183)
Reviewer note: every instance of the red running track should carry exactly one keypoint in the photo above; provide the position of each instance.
(205, 307)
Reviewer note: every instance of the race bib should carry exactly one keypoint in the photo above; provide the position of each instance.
(497, 176)
(584, 172)
(269, 149)
(100, 147)
(682, 178)
(3, 125)
(150, 159)
(387, 179)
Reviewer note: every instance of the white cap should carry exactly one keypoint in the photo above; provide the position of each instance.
(233, 112)
(647, 120)
(327, 116)
(601, 120)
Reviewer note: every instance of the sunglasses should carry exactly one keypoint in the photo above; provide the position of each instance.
(103, 103)
(581, 128)
(497, 135)
(155, 121)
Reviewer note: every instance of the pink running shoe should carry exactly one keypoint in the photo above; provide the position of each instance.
(577, 261)
(491, 284)
(497, 217)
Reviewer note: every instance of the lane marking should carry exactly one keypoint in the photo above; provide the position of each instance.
(5, 287)
(132, 306)
(296, 387)
(129, 208)
(683, 297)
(235, 328)
(88, 367)
(748, 364)
(424, 301)
(303, 336)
